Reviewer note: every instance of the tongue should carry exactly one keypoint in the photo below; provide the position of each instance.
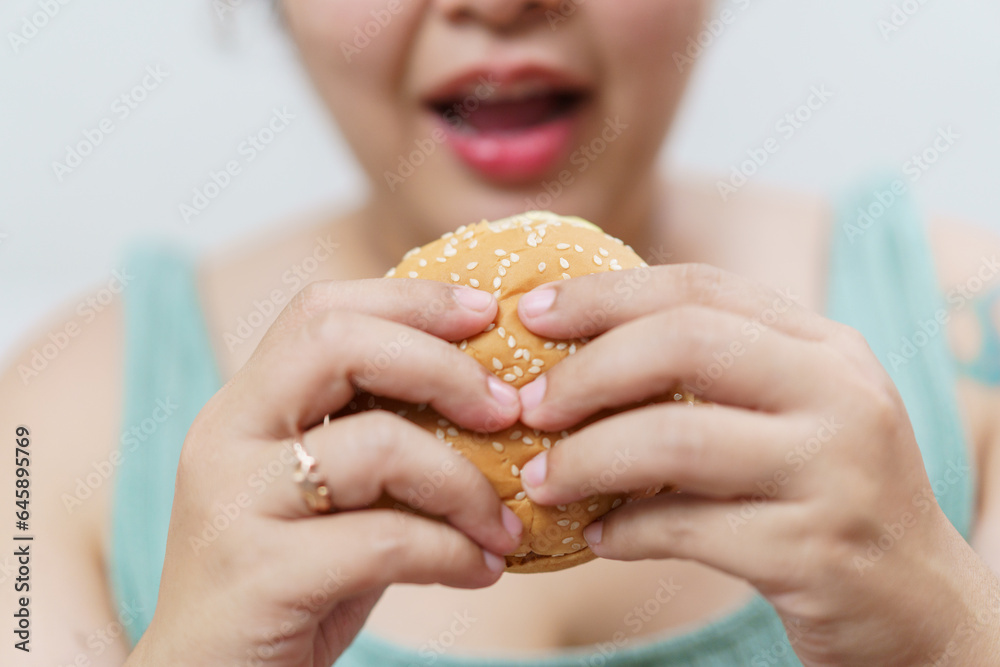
(513, 116)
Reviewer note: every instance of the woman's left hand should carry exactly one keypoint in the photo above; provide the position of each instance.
(803, 477)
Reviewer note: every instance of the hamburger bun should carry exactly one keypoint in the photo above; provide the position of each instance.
(508, 258)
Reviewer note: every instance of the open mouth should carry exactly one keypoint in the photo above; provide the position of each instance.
(493, 115)
(510, 128)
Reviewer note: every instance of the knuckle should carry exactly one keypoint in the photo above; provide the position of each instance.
(376, 437)
(312, 299)
(681, 446)
(334, 328)
(701, 282)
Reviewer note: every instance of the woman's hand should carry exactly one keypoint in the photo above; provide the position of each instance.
(274, 584)
(804, 477)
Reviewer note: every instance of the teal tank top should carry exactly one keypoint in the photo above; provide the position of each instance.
(881, 282)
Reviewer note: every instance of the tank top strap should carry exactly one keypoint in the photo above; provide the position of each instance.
(170, 373)
(985, 367)
(883, 282)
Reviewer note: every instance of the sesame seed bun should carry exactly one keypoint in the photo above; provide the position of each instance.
(508, 258)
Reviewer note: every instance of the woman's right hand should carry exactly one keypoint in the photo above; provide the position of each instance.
(278, 585)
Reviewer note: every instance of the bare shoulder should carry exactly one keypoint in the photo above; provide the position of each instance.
(968, 264)
(64, 385)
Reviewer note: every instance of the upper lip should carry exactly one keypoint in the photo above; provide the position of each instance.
(508, 82)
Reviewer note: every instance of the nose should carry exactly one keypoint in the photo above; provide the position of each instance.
(498, 14)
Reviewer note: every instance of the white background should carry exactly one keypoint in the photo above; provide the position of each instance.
(225, 77)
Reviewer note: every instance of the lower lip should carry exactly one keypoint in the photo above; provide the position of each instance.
(513, 156)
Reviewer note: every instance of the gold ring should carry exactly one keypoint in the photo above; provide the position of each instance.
(312, 485)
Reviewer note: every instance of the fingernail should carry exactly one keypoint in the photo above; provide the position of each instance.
(504, 394)
(536, 302)
(493, 562)
(473, 299)
(532, 394)
(534, 471)
(511, 522)
(593, 533)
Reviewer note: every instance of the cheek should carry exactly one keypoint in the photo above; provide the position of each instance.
(358, 42)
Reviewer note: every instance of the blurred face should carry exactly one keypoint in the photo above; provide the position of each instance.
(460, 110)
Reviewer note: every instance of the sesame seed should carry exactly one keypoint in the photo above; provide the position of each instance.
(566, 276)
(496, 283)
(514, 257)
(567, 540)
(453, 241)
(391, 273)
(411, 252)
(497, 446)
(515, 471)
(616, 267)
(574, 525)
(473, 243)
(413, 274)
(561, 346)
(562, 522)
(538, 362)
(549, 345)
(443, 422)
(492, 326)
(541, 267)
(509, 377)
(464, 344)
(528, 441)
(440, 259)
(401, 413)
(604, 253)
(455, 278)
(593, 508)
(449, 251)
(497, 364)
(532, 242)
(572, 348)
(453, 432)
(505, 262)
(471, 265)
(468, 235)
(598, 260)
(502, 271)
(520, 495)
(534, 370)
(562, 246)
(496, 293)
(501, 332)
(461, 229)
(447, 235)
(440, 434)
(511, 343)
(422, 262)
(578, 248)
(517, 355)
(561, 508)
(499, 253)
(516, 435)
(473, 282)
(563, 263)
(616, 504)
(518, 372)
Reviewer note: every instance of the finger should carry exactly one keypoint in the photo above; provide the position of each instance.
(452, 312)
(705, 350)
(371, 549)
(759, 541)
(287, 388)
(590, 305)
(367, 455)
(711, 450)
